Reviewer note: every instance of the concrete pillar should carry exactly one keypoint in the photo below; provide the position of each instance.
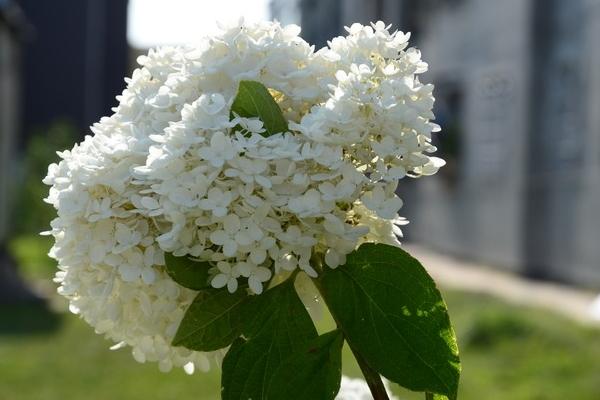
(9, 101)
(586, 252)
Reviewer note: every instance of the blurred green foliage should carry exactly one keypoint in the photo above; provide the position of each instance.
(31, 254)
(31, 214)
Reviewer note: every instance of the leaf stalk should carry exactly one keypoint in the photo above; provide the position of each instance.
(372, 377)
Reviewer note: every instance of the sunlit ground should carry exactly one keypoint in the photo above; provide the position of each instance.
(508, 352)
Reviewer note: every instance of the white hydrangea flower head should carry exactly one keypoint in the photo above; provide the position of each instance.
(170, 172)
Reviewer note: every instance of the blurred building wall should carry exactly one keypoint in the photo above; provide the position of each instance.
(75, 64)
(518, 98)
(525, 185)
(14, 29)
(60, 59)
(9, 80)
(589, 205)
(286, 11)
(562, 177)
(320, 20)
(479, 56)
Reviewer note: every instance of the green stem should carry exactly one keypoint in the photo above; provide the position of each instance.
(372, 378)
(428, 396)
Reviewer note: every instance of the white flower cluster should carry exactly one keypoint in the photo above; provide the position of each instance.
(167, 172)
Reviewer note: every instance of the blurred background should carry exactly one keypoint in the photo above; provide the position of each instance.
(510, 228)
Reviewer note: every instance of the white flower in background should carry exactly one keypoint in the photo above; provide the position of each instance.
(172, 171)
(594, 309)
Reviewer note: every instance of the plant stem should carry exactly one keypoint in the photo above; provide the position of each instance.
(372, 378)
(428, 396)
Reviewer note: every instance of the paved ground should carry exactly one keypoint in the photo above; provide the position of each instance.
(453, 273)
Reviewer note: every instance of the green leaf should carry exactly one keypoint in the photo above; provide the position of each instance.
(277, 310)
(392, 313)
(276, 324)
(212, 321)
(312, 373)
(188, 273)
(254, 100)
